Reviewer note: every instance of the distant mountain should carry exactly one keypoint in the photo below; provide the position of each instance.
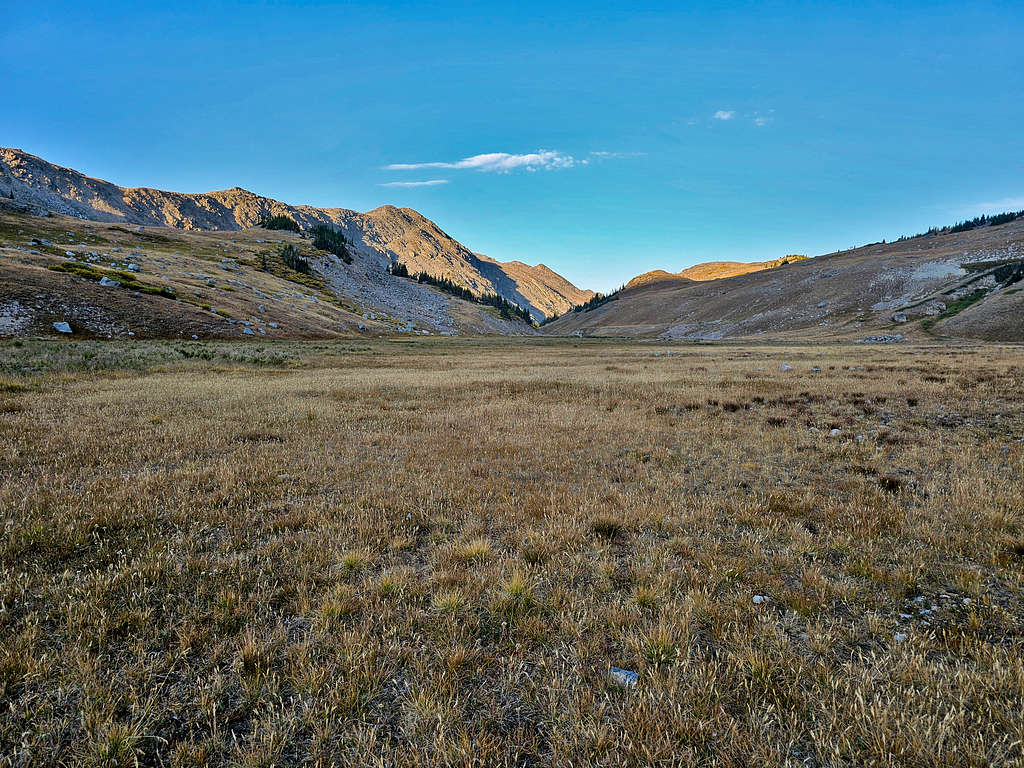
(712, 270)
(399, 234)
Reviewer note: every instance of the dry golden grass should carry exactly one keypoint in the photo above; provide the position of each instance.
(433, 553)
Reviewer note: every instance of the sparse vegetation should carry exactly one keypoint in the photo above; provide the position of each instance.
(126, 279)
(371, 555)
(954, 308)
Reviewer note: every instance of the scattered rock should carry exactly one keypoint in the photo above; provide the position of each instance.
(62, 327)
(106, 281)
(899, 317)
(248, 331)
(761, 599)
(623, 677)
(835, 432)
(785, 367)
(880, 340)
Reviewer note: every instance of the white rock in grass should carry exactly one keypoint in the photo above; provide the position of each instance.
(835, 432)
(761, 599)
(62, 327)
(248, 331)
(899, 637)
(623, 677)
(785, 367)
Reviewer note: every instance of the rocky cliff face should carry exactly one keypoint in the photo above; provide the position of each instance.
(400, 234)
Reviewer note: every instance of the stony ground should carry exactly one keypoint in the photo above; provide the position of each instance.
(435, 552)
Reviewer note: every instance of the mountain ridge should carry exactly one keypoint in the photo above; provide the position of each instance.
(400, 234)
(712, 270)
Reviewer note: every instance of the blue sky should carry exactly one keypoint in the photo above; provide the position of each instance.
(621, 137)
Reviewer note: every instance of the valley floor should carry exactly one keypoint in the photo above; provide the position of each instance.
(433, 551)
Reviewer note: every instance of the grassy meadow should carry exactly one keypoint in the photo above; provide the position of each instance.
(432, 553)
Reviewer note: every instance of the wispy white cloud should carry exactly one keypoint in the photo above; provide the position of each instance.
(428, 183)
(499, 162)
(761, 121)
(724, 114)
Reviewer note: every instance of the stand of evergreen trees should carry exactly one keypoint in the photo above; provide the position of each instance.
(596, 301)
(968, 224)
(279, 222)
(290, 256)
(505, 308)
(327, 238)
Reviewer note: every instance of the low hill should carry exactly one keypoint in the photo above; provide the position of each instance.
(946, 282)
(387, 233)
